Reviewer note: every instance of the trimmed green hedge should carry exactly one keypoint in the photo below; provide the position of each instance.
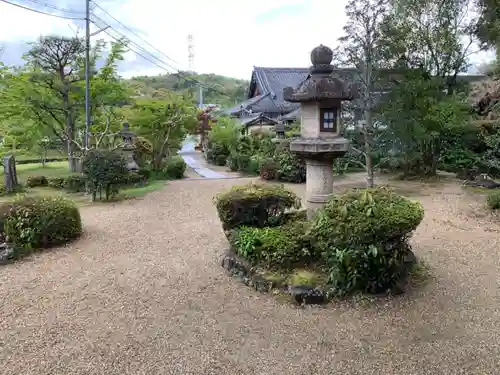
(254, 205)
(39, 222)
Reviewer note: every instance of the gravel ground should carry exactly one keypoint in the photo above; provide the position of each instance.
(143, 293)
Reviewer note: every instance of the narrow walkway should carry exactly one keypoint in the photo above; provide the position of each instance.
(195, 165)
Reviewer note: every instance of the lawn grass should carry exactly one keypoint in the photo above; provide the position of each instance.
(60, 169)
(53, 169)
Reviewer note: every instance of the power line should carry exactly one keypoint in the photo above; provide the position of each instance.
(177, 72)
(49, 5)
(41, 12)
(134, 33)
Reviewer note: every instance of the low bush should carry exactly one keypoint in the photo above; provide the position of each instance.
(40, 222)
(363, 236)
(56, 182)
(290, 167)
(75, 183)
(36, 181)
(105, 171)
(134, 178)
(254, 205)
(493, 201)
(268, 169)
(176, 167)
(273, 247)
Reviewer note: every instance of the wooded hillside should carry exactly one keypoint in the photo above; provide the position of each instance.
(225, 91)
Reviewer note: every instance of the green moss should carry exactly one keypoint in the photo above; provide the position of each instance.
(276, 278)
(305, 277)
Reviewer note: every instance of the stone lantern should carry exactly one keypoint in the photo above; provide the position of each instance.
(128, 147)
(320, 143)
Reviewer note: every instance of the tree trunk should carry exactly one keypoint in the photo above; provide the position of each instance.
(368, 156)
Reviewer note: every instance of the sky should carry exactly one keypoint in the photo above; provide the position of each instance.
(229, 37)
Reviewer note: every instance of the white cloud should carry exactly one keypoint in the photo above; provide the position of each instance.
(229, 36)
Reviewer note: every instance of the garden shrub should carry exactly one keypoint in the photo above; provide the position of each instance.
(75, 183)
(363, 235)
(36, 181)
(254, 205)
(254, 165)
(40, 222)
(175, 167)
(56, 182)
(232, 161)
(105, 171)
(134, 178)
(290, 167)
(273, 247)
(493, 200)
(268, 169)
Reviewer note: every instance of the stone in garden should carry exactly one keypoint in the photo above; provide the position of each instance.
(320, 142)
(10, 174)
(307, 295)
(129, 147)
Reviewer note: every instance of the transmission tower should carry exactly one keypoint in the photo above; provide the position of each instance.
(191, 52)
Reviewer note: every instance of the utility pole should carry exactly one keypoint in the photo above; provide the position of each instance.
(200, 97)
(87, 75)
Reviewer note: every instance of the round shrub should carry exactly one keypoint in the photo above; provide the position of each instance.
(176, 167)
(254, 205)
(493, 201)
(268, 169)
(40, 222)
(363, 236)
(35, 181)
(365, 216)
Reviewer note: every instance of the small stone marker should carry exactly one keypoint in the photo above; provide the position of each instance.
(10, 173)
(129, 147)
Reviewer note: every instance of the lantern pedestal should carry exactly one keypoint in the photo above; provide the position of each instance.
(319, 155)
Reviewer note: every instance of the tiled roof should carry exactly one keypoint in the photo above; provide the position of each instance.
(248, 120)
(247, 105)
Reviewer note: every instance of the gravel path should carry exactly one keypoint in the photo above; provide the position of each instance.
(143, 293)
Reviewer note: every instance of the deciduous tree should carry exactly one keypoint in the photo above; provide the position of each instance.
(360, 49)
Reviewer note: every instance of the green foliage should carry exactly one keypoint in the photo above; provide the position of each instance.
(75, 183)
(222, 140)
(290, 168)
(228, 90)
(104, 171)
(273, 247)
(268, 169)
(175, 167)
(363, 237)
(493, 200)
(367, 216)
(163, 123)
(35, 181)
(43, 99)
(40, 222)
(254, 205)
(56, 182)
(420, 117)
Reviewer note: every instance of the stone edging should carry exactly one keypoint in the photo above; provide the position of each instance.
(240, 268)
